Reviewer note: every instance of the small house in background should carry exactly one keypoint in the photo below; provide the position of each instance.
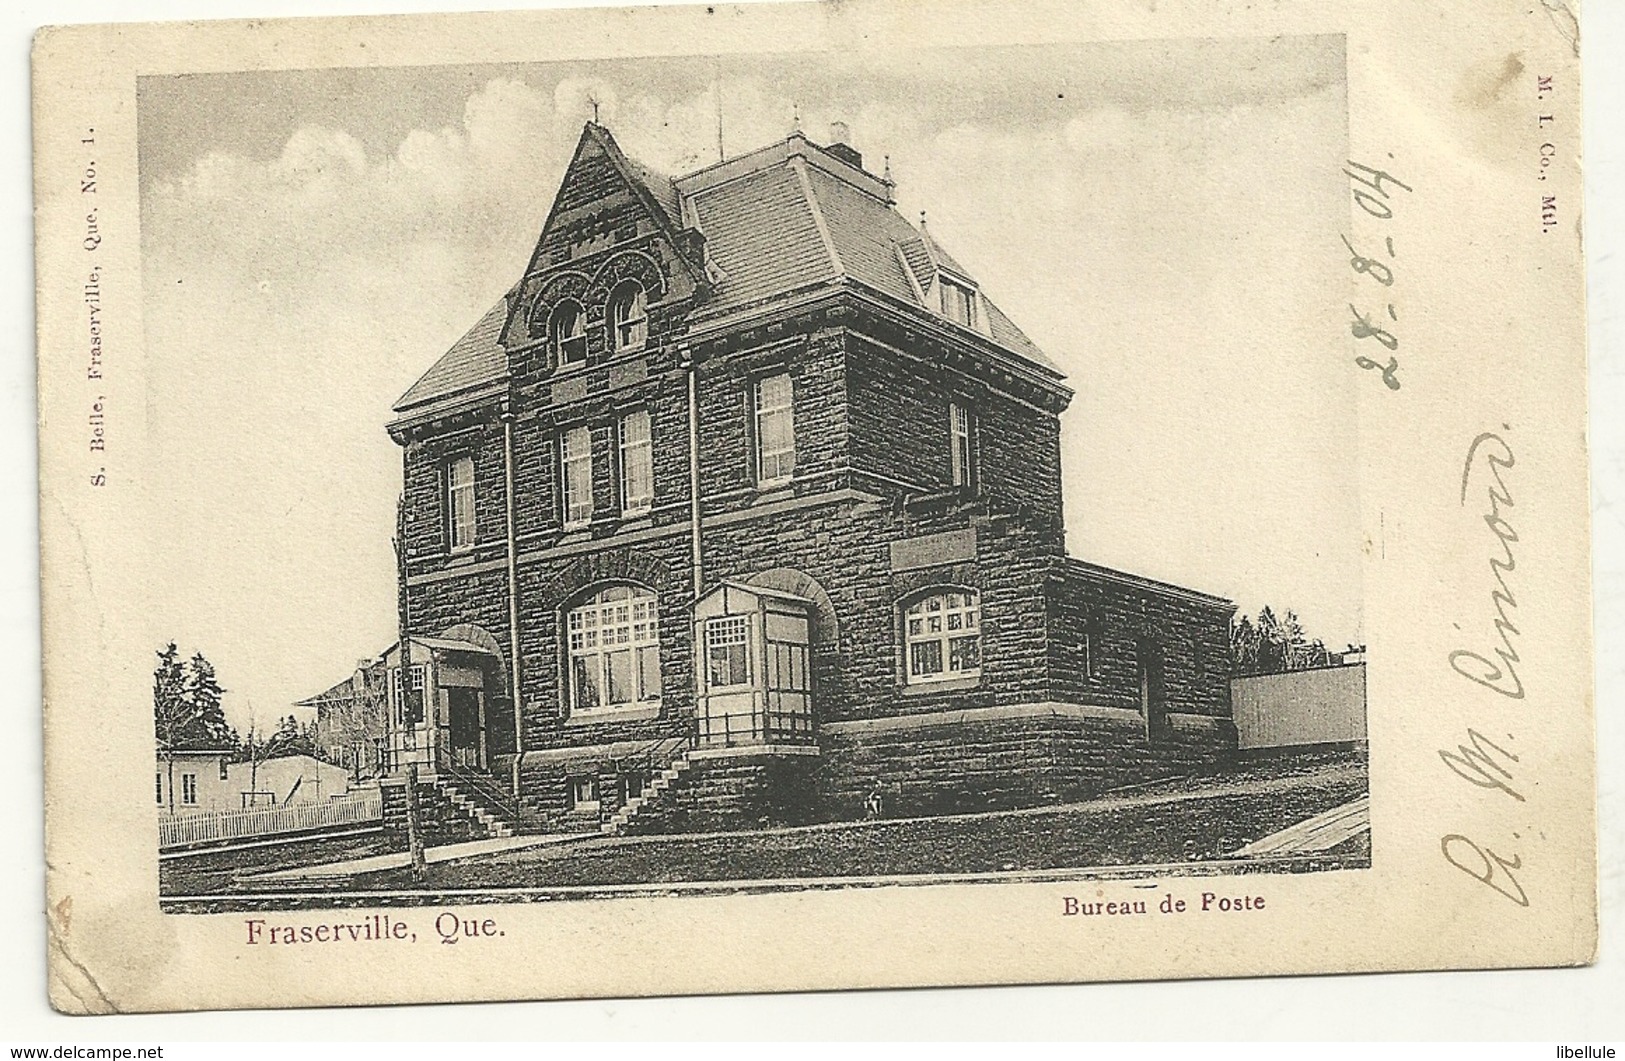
(1320, 706)
(351, 720)
(285, 781)
(191, 780)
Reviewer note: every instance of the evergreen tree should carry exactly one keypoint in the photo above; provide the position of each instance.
(1273, 644)
(203, 691)
(171, 712)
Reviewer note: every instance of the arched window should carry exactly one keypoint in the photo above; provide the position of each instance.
(567, 330)
(614, 650)
(942, 634)
(628, 318)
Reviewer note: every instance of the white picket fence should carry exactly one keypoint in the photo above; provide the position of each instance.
(179, 830)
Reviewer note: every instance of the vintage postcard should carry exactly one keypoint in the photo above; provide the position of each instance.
(804, 496)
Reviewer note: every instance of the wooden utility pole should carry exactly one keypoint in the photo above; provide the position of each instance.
(414, 823)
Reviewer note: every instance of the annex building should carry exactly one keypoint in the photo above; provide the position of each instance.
(743, 506)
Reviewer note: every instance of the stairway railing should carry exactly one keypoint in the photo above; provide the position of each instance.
(485, 791)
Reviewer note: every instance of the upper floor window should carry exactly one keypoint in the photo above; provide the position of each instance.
(775, 429)
(189, 788)
(614, 649)
(943, 636)
(160, 788)
(637, 463)
(958, 302)
(460, 502)
(962, 444)
(628, 316)
(575, 476)
(567, 330)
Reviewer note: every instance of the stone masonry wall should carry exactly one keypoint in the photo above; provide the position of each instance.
(993, 764)
(898, 408)
(1185, 640)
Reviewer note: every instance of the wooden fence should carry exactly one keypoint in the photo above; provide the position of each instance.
(1321, 706)
(182, 830)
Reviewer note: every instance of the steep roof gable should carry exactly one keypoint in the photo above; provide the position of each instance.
(576, 187)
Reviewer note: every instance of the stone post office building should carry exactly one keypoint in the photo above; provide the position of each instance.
(869, 609)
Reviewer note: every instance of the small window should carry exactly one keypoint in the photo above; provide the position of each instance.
(584, 793)
(962, 444)
(189, 789)
(1089, 648)
(575, 468)
(225, 772)
(958, 303)
(632, 786)
(628, 314)
(160, 788)
(460, 502)
(727, 652)
(637, 464)
(943, 637)
(567, 330)
(775, 429)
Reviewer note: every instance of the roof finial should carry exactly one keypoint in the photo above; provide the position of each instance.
(795, 117)
(886, 176)
(594, 101)
(922, 220)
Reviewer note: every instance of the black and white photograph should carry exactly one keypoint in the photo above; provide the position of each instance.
(975, 586)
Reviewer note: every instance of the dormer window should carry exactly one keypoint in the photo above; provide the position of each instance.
(628, 316)
(958, 302)
(567, 329)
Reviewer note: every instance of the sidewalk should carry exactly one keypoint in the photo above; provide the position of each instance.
(1321, 833)
(403, 859)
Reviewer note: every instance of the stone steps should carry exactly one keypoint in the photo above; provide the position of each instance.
(658, 786)
(486, 821)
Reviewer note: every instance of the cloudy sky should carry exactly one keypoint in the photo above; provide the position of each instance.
(1161, 217)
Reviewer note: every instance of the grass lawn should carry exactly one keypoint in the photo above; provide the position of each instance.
(1175, 821)
(212, 872)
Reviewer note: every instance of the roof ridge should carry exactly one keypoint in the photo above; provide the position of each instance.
(799, 166)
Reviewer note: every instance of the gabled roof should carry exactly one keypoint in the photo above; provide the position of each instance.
(780, 221)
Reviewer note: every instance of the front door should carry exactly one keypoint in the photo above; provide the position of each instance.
(467, 727)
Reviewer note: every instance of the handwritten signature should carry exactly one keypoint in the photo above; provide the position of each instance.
(1475, 666)
(1481, 761)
